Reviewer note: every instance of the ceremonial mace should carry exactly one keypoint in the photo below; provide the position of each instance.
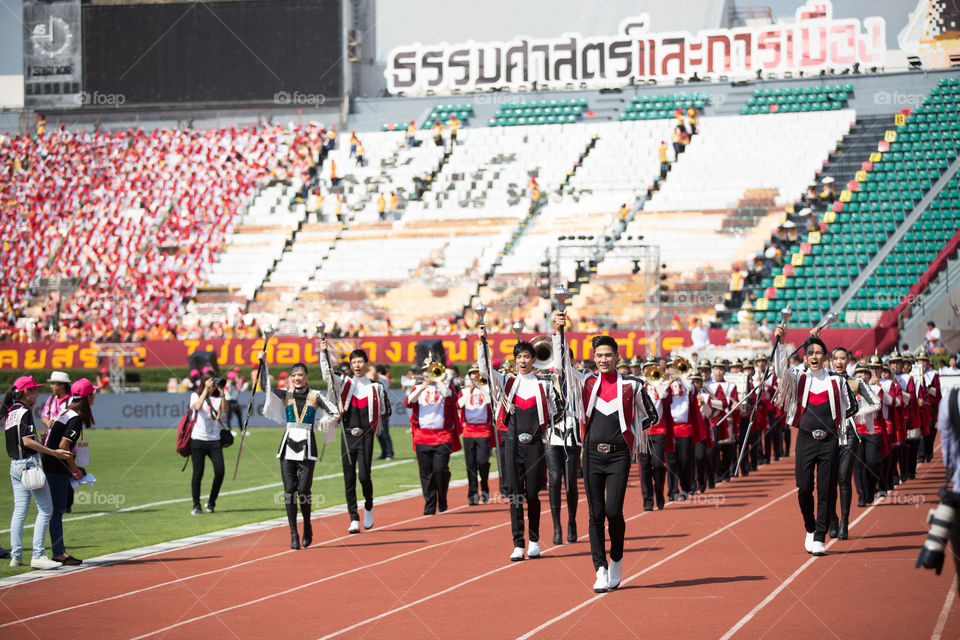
(321, 327)
(268, 332)
(481, 311)
(785, 314)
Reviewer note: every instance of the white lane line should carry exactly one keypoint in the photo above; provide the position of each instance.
(673, 555)
(161, 503)
(944, 612)
(786, 583)
(338, 575)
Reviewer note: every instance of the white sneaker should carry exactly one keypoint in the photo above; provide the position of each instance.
(517, 554)
(603, 581)
(367, 518)
(15, 562)
(613, 577)
(818, 549)
(533, 549)
(43, 562)
(808, 543)
(354, 526)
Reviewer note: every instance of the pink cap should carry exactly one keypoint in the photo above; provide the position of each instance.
(104, 371)
(82, 388)
(194, 372)
(25, 382)
(231, 375)
(208, 369)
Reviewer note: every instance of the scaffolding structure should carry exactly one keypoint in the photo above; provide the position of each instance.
(115, 353)
(643, 261)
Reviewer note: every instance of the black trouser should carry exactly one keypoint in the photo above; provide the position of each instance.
(524, 465)
(728, 460)
(701, 466)
(786, 439)
(361, 459)
(928, 441)
(774, 438)
(886, 469)
(605, 482)
(386, 442)
(476, 452)
(684, 470)
(563, 470)
(816, 459)
(198, 450)
(653, 470)
(233, 409)
(867, 467)
(913, 450)
(297, 478)
(434, 462)
(846, 460)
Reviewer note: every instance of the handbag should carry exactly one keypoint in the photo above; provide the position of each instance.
(226, 437)
(32, 477)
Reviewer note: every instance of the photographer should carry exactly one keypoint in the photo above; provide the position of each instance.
(948, 423)
(205, 438)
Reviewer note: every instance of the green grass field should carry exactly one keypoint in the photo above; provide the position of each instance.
(140, 467)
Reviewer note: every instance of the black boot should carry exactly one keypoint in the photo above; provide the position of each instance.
(572, 531)
(294, 538)
(291, 505)
(834, 529)
(307, 525)
(844, 532)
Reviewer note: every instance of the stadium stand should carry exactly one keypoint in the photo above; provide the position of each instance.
(797, 99)
(874, 206)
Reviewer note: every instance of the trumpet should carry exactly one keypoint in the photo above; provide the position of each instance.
(483, 381)
(435, 371)
(654, 375)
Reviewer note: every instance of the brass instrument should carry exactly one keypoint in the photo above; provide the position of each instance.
(654, 375)
(483, 381)
(435, 371)
(543, 348)
(682, 365)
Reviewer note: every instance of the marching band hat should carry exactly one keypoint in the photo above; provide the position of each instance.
(695, 376)
(623, 362)
(722, 363)
(636, 361)
(861, 368)
(704, 364)
(923, 357)
(473, 369)
(650, 361)
(761, 357)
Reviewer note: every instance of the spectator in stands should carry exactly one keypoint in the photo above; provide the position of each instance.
(331, 139)
(812, 198)
(353, 144)
(381, 207)
(829, 193)
(361, 161)
(437, 133)
(677, 141)
(623, 213)
(664, 162)
(454, 125)
(394, 203)
(931, 340)
(692, 115)
(680, 126)
(411, 134)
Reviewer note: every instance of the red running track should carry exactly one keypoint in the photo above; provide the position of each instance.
(726, 564)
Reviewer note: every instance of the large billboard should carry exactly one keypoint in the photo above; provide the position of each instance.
(817, 40)
(52, 65)
(285, 52)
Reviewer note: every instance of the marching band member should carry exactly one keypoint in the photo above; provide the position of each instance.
(724, 396)
(435, 423)
(563, 463)
(703, 454)
(476, 416)
(688, 428)
(893, 426)
(302, 409)
(849, 439)
(773, 437)
(870, 442)
(524, 416)
(913, 418)
(759, 427)
(931, 403)
(653, 464)
(815, 404)
(361, 399)
(612, 413)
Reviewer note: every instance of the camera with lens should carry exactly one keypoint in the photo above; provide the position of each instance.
(220, 382)
(941, 522)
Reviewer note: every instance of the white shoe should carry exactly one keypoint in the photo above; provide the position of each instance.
(818, 549)
(808, 543)
(15, 562)
(367, 518)
(603, 581)
(517, 554)
(43, 562)
(613, 577)
(533, 549)
(354, 526)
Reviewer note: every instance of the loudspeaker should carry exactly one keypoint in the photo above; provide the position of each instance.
(433, 348)
(200, 359)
